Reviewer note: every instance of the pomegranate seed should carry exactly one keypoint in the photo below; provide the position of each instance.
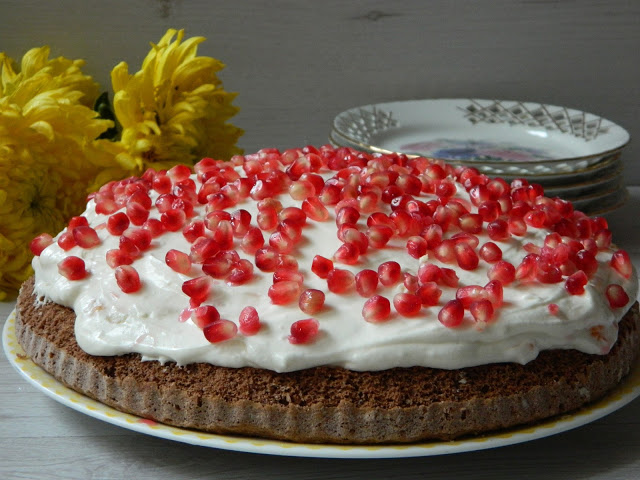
(553, 309)
(376, 309)
(173, 219)
(85, 237)
(193, 230)
(249, 321)
(621, 263)
(117, 257)
(214, 217)
(576, 282)
(494, 292)
(241, 272)
(448, 277)
(389, 273)
(72, 268)
(117, 223)
(585, 260)
(349, 215)
(502, 271)
(466, 256)
(526, 271)
(301, 189)
(39, 243)
(379, 235)
(340, 281)
(287, 262)
(490, 252)
(220, 331)
(547, 272)
(470, 223)
(445, 252)
(311, 301)
(154, 226)
(498, 230)
(287, 275)
(280, 242)
(417, 246)
(140, 237)
(314, 209)
(205, 315)
(127, 279)
(616, 296)
(366, 282)
(489, 210)
(304, 331)
(202, 249)
(451, 314)
(347, 253)
(137, 213)
(411, 282)
(293, 215)
(603, 238)
(407, 304)
(252, 241)
(161, 183)
(481, 311)
(218, 266)
(429, 293)
(321, 266)
(469, 294)
(283, 293)
(197, 289)
(433, 235)
(240, 221)
(106, 206)
(78, 222)
(179, 173)
(266, 259)
(178, 261)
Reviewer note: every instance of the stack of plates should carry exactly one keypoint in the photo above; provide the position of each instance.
(573, 154)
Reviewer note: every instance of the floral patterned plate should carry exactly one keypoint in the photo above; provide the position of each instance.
(499, 137)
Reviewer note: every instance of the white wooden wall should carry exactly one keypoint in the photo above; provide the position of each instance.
(296, 64)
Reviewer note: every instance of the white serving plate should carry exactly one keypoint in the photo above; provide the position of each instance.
(499, 137)
(626, 392)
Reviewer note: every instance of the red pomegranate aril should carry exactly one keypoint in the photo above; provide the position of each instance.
(106, 206)
(448, 277)
(178, 261)
(451, 314)
(85, 237)
(433, 235)
(314, 209)
(284, 293)
(164, 202)
(489, 210)
(197, 289)
(281, 242)
(301, 189)
(466, 256)
(293, 215)
(214, 217)
(469, 294)
(241, 222)
(304, 331)
(137, 213)
(77, 222)
(267, 219)
(470, 223)
(252, 241)
(366, 282)
(502, 271)
(585, 260)
(379, 235)
(311, 301)
(517, 227)
(220, 331)
(218, 266)
(128, 279)
(445, 252)
(376, 309)
(348, 215)
(66, 241)
(481, 311)
(407, 304)
(193, 231)
(173, 219)
(526, 271)
(178, 173)
(39, 243)
(205, 315)
(553, 309)
(202, 249)
(266, 259)
(117, 257)
(223, 235)
(495, 292)
(429, 293)
(428, 272)
(118, 223)
(287, 262)
(340, 281)
(498, 230)
(287, 275)
(161, 183)
(347, 253)
(140, 237)
(616, 296)
(490, 252)
(389, 273)
(127, 245)
(72, 268)
(547, 272)
(249, 321)
(241, 272)
(621, 263)
(576, 282)
(321, 266)
(417, 246)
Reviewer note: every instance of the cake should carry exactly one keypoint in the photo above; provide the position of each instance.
(329, 295)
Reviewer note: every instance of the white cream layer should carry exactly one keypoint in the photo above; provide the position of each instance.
(110, 322)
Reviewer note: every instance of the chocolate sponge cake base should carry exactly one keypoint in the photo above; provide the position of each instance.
(326, 404)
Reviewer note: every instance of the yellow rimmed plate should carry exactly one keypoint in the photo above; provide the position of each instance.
(627, 391)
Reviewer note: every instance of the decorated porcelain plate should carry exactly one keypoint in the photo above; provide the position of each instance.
(627, 391)
(499, 137)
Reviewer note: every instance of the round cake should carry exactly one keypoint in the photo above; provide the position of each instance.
(329, 295)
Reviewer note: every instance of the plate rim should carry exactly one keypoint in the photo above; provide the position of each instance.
(377, 149)
(626, 392)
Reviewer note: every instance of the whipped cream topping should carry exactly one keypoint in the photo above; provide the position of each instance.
(151, 321)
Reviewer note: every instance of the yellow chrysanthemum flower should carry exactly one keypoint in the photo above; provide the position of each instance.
(175, 109)
(46, 138)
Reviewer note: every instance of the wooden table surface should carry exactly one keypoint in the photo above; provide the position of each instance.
(40, 438)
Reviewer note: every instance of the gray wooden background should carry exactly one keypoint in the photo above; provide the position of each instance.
(296, 64)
